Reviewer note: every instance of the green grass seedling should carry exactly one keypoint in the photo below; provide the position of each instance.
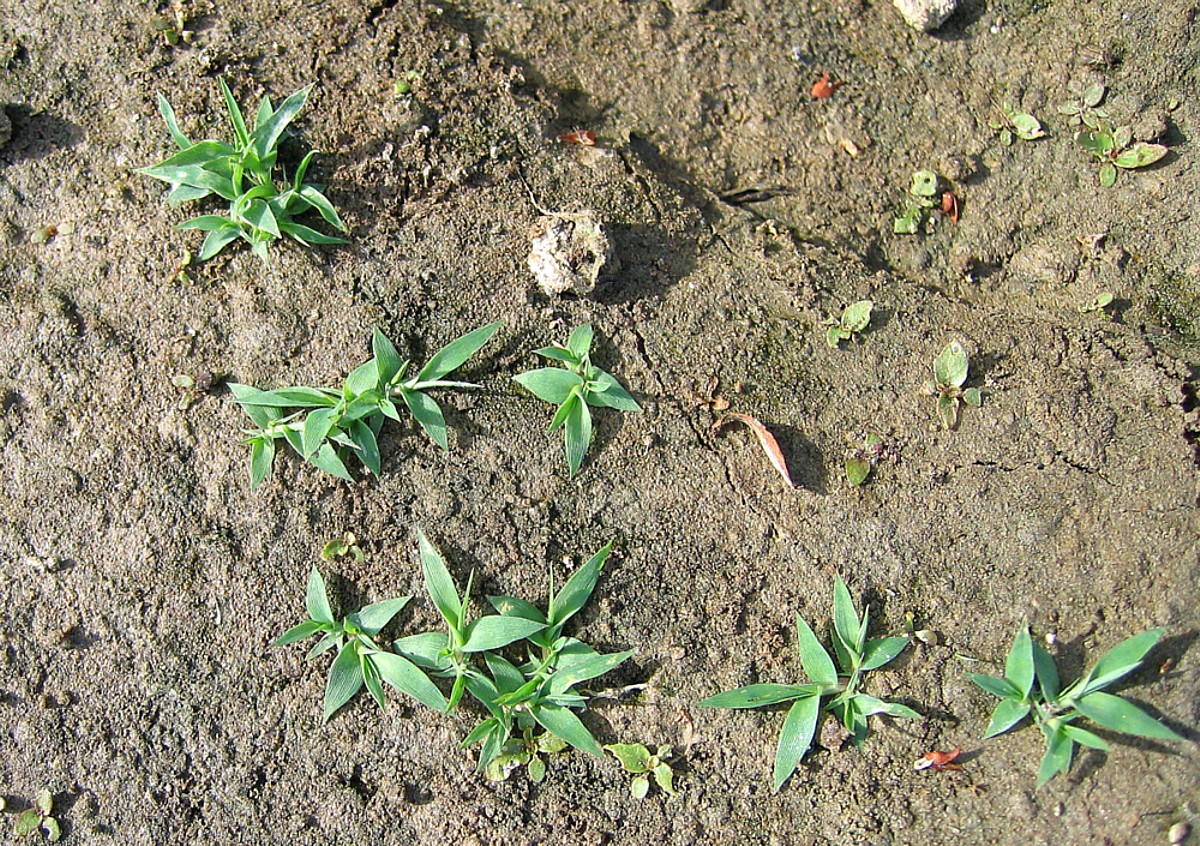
(854, 319)
(243, 173)
(359, 662)
(837, 678)
(1031, 689)
(542, 691)
(448, 655)
(574, 387)
(327, 425)
(949, 373)
(39, 817)
(643, 764)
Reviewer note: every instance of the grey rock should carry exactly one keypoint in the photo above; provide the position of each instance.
(926, 15)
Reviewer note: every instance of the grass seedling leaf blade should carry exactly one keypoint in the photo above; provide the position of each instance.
(564, 724)
(455, 354)
(300, 632)
(1000, 688)
(877, 653)
(328, 460)
(1121, 660)
(580, 342)
(1019, 667)
(589, 668)
(818, 666)
(345, 680)
(407, 678)
(387, 359)
(1085, 738)
(578, 588)
(1046, 673)
(1007, 715)
(1059, 749)
(266, 135)
(316, 600)
(495, 632)
(1116, 714)
(439, 583)
(795, 738)
(760, 695)
(578, 434)
(235, 114)
(846, 627)
(317, 425)
(550, 384)
(429, 415)
(262, 456)
(375, 616)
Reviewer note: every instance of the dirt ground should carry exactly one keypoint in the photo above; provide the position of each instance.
(141, 579)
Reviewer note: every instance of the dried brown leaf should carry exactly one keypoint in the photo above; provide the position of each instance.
(765, 438)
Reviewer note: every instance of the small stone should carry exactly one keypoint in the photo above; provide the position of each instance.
(1178, 833)
(568, 252)
(925, 15)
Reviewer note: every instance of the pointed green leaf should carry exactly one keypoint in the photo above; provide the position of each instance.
(589, 668)
(306, 236)
(1046, 673)
(267, 135)
(316, 426)
(511, 606)
(494, 632)
(295, 633)
(578, 431)
(1084, 737)
(345, 680)
(578, 589)
(455, 354)
(580, 342)
(564, 724)
(1018, 668)
(1007, 714)
(818, 666)
(387, 359)
(1057, 759)
(328, 460)
(869, 706)
(1001, 688)
(425, 650)
(1115, 713)
(846, 626)
(217, 240)
(1140, 155)
(759, 695)
(405, 677)
(550, 384)
(235, 114)
(429, 415)
(796, 737)
(438, 583)
(262, 456)
(614, 396)
(168, 113)
(316, 600)
(879, 652)
(1121, 660)
(375, 616)
(368, 445)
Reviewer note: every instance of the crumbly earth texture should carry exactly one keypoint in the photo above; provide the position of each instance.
(142, 580)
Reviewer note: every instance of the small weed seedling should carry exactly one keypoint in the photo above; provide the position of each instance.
(918, 203)
(359, 661)
(574, 387)
(1099, 303)
(643, 763)
(525, 751)
(346, 545)
(174, 26)
(860, 458)
(39, 816)
(855, 655)
(853, 320)
(1115, 149)
(325, 425)
(243, 174)
(949, 373)
(1031, 688)
(1085, 109)
(1011, 124)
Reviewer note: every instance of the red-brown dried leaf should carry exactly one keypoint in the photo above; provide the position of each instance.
(765, 438)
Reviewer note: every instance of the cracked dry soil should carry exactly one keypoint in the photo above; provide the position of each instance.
(141, 579)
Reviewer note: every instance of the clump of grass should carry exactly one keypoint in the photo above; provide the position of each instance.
(243, 172)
